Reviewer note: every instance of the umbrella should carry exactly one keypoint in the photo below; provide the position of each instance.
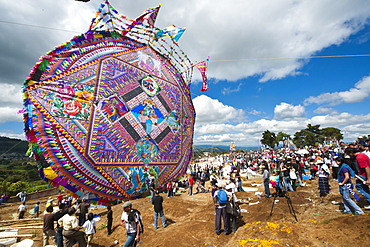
(302, 151)
(89, 196)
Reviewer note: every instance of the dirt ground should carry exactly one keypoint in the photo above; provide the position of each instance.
(190, 221)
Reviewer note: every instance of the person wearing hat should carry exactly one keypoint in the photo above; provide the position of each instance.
(366, 148)
(360, 140)
(157, 201)
(132, 226)
(232, 207)
(323, 175)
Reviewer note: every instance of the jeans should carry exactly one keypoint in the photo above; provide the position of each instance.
(349, 205)
(190, 191)
(363, 188)
(267, 188)
(287, 185)
(233, 222)
(130, 241)
(81, 219)
(240, 187)
(156, 219)
(60, 236)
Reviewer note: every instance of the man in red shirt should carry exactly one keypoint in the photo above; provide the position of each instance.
(363, 163)
(191, 184)
(59, 198)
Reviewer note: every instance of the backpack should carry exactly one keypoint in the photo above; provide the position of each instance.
(131, 217)
(222, 197)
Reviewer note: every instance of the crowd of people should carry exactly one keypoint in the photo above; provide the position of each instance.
(283, 169)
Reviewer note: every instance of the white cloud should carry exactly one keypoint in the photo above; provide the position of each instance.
(323, 110)
(228, 90)
(255, 112)
(359, 93)
(288, 111)
(210, 111)
(249, 133)
(8, 114)
(10, 94)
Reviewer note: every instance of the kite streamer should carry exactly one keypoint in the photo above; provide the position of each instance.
(110, 110)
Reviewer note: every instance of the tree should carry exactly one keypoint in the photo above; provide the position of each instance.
(269, 138)
(281, 136)
(312, 135)
(332, 133)
(4, 187)
(18, 186)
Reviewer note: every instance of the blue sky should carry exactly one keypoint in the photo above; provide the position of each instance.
(249, 91)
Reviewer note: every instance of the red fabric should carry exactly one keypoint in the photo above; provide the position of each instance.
(362, 161)
(191, 181)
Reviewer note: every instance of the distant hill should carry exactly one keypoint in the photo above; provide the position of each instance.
(11, 146)
(217, 149)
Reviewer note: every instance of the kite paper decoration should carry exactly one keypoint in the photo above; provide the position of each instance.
(202, 67)
(110, 110)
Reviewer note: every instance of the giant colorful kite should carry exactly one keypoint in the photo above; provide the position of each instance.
(110, 110)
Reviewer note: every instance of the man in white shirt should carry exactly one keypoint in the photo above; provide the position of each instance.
(132, 226)
(22, 210)
(71, 232)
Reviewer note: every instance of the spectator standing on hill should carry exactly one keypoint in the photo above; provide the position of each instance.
(90, 228)
(323, 175)
(36, 210)
(363, 167)
(71, 229)
(220, 204)
(133, 227)
(345, 187)
(239, 182)
(158, 209)
(109, 220)
(151, 187)
(22, 196)
(169, 189)
(48, 227)
(191, 184)
(22, 210)
(59, 198)
(266, 180)
(232, 207)
(63, 210)
(84, 209)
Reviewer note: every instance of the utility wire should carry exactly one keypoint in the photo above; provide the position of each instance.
(11, 148)
(29, 25)
(281, 58)
(221, 60)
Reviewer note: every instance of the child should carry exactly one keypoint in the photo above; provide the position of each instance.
(279, 186)
(90, 228)
(36, 210)
(109, 220)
